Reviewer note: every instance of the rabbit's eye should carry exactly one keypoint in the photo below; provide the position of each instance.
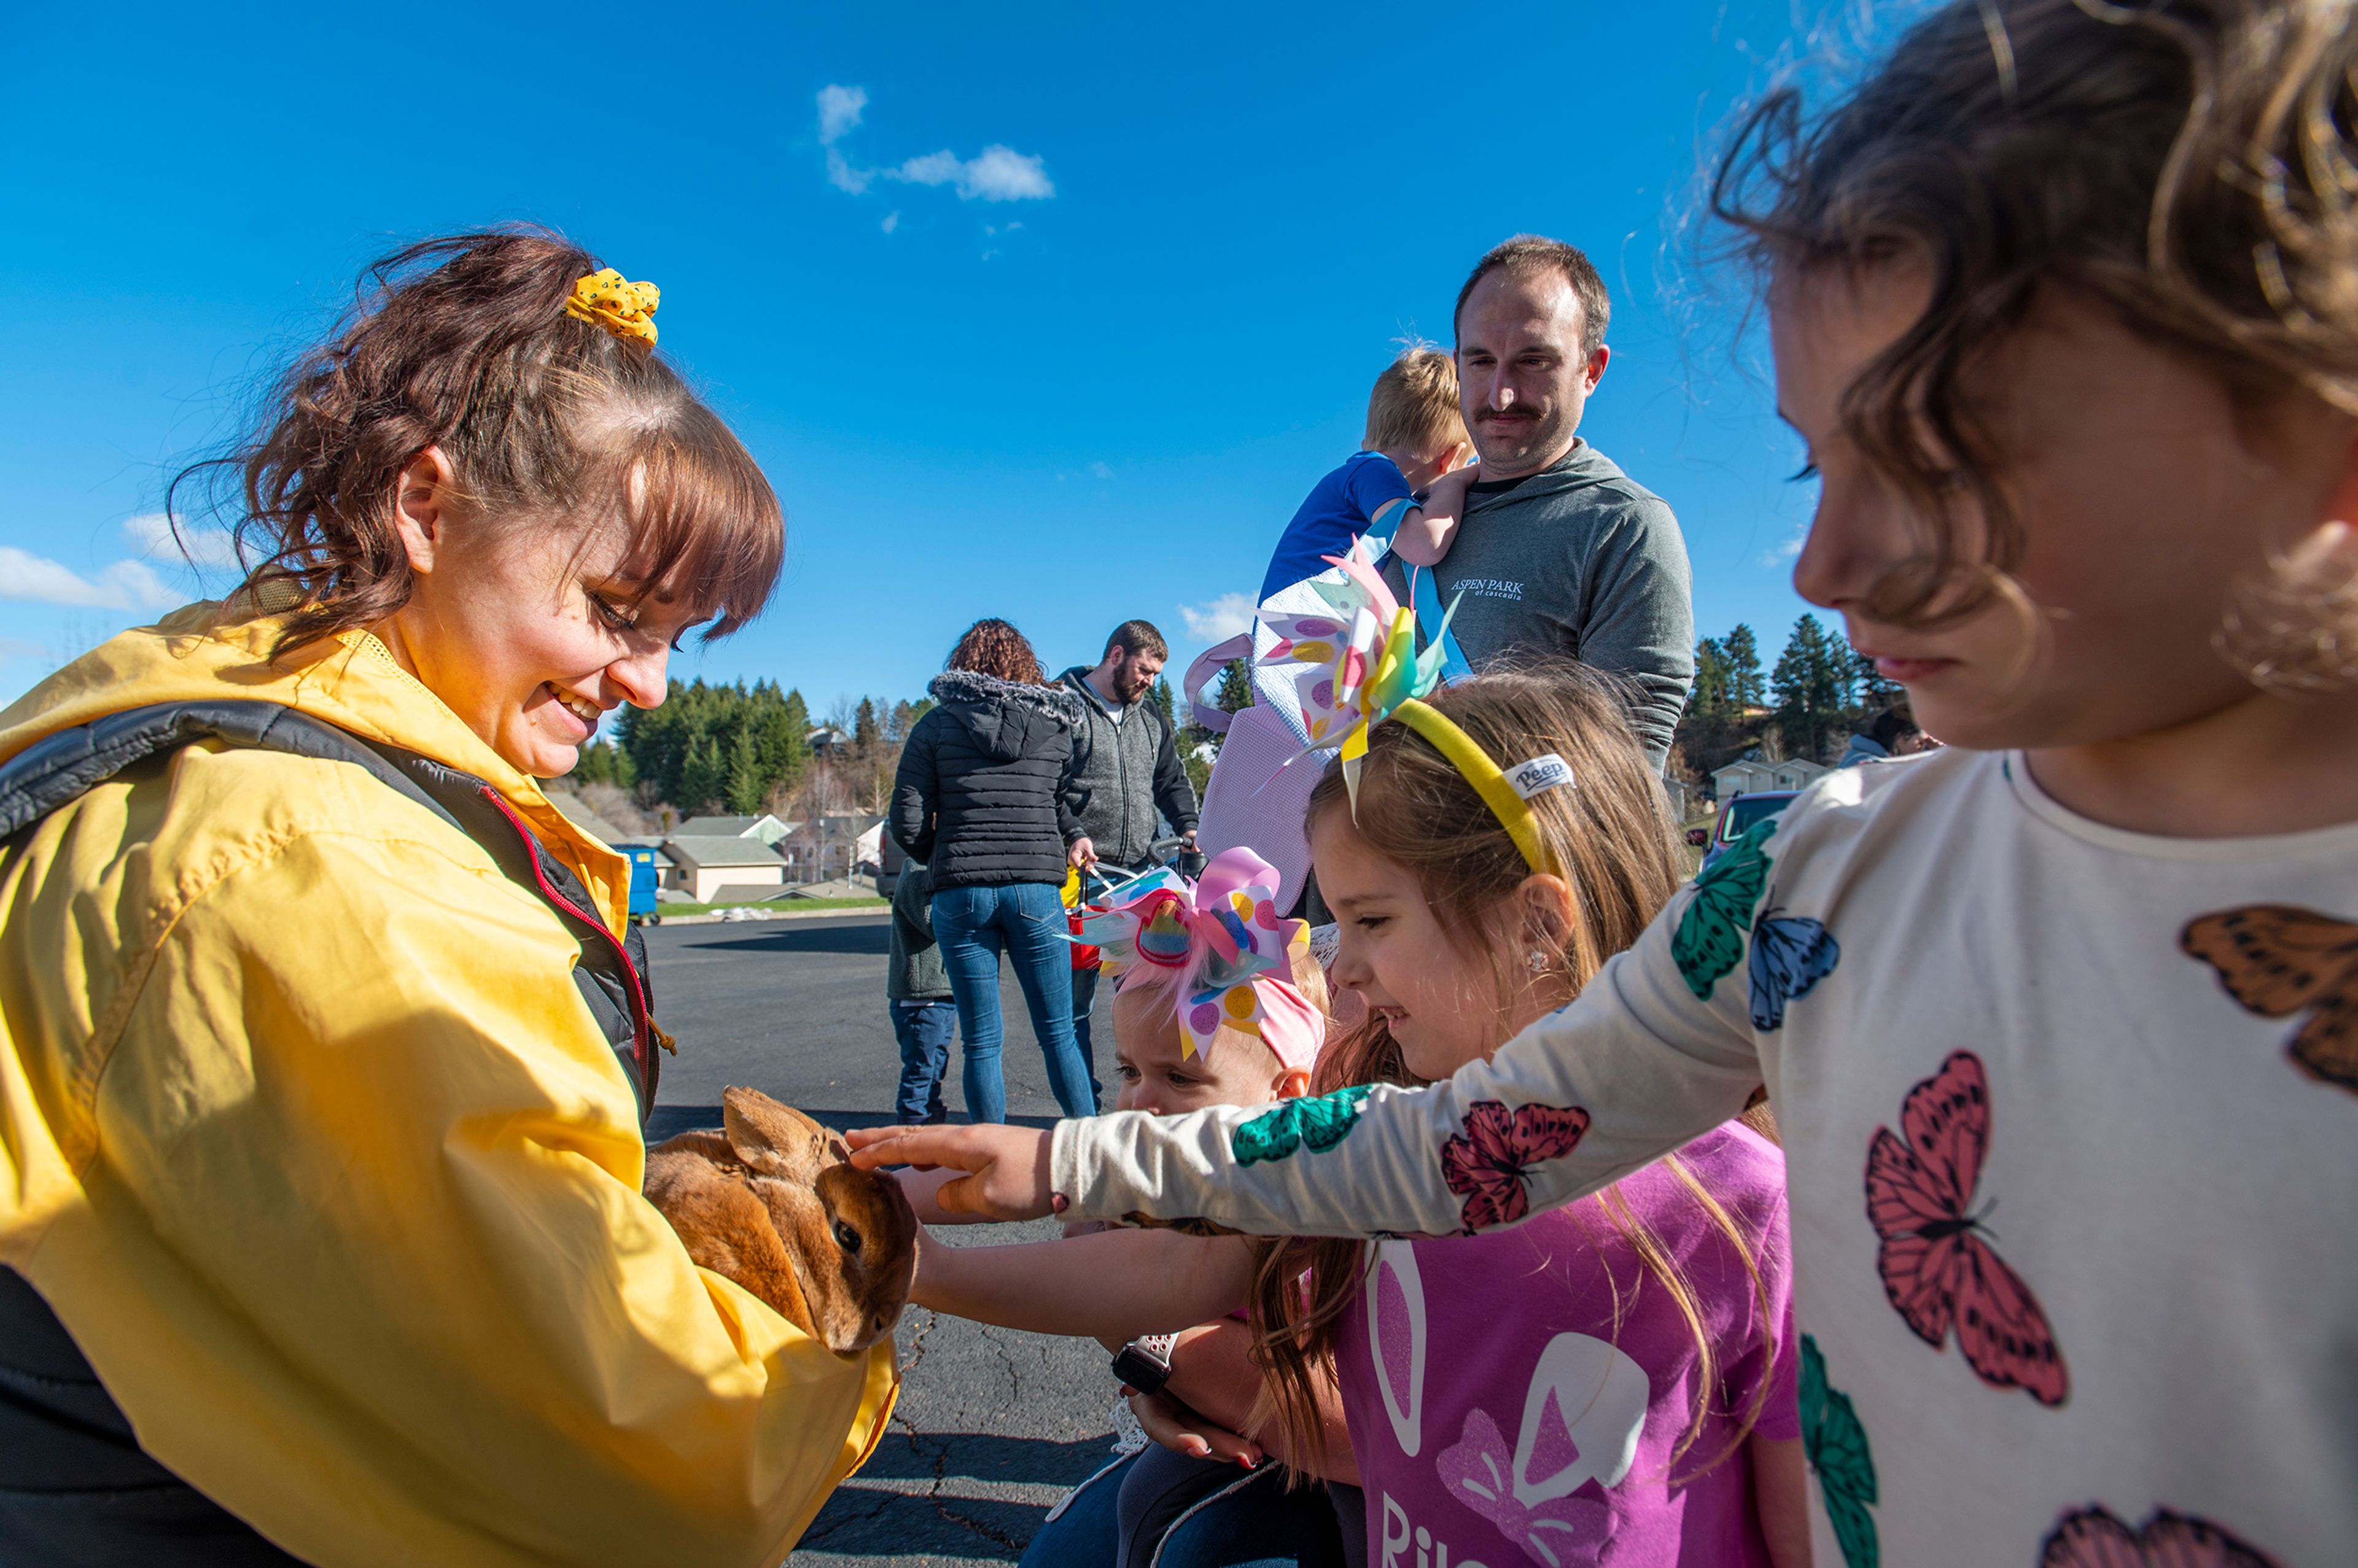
(847, 1238)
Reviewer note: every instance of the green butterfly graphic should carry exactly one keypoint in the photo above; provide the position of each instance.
(1709, 942)
(1321, 1123)
(1836, 1445)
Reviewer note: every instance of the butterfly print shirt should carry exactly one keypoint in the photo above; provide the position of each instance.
(1518, 1395)
(2071, 1125)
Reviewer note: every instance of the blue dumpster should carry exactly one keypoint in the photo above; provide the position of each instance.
(643, 879)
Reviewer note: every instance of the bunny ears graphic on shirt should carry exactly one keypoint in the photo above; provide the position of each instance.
(1219, 944)
(1363, 669)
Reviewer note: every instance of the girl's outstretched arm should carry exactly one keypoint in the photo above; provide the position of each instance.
(1660, 1048)
(1115, 1285)
(1635, 1067)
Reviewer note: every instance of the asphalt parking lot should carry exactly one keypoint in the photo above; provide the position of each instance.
(992, 1425)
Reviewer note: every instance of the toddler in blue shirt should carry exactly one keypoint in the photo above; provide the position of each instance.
(1416, 444)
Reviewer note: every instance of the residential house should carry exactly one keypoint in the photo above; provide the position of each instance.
(702, 865)
(766, 827)
(1749, 775)
(575, 810)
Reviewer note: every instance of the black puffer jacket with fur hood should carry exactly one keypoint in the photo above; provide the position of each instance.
(985, 792)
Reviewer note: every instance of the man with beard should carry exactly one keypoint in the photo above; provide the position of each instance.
(1126, 762)
(1559, 552)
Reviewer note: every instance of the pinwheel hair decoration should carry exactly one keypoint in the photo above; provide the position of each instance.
(1363, 659)
(1363, 669)
(1218, 944)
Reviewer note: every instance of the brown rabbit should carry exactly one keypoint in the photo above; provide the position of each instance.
(769, 1202)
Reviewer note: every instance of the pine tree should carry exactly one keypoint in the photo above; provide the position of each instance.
(1741, 654)
(1709, 696)
(1236, 688)
(1164, 700)
(703, 775)
(866, 734)
(748, 786)
(1811, 684)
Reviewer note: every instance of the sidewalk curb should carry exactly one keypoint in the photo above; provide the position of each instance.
(884, 913)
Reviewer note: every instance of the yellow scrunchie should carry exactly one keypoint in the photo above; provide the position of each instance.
(626, 310)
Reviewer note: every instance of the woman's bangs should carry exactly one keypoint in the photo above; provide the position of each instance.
(703, 521)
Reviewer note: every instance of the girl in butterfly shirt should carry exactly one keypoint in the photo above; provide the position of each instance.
(2061, 1022)
(1613, 1383)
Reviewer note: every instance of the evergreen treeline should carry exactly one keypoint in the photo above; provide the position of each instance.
(743, 750)
(1818, 692)
(728, 746)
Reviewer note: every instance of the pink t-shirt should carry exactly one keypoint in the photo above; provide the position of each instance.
(1514, 1396)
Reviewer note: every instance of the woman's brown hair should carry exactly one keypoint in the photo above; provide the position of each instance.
(464, 343)
(2189, 163)
(997, 649)
(1612, 835)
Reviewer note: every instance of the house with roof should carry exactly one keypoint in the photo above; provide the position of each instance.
(575, 810)
(766, 827)
(702, 865)
(1748, 774)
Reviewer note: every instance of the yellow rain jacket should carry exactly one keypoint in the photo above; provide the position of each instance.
(310, 1143)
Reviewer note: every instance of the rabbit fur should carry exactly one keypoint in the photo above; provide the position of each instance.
(770, 1201)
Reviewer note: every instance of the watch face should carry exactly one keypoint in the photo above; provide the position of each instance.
(1140, 1370)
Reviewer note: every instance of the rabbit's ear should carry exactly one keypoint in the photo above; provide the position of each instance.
(773, 1139)
(728, 1228)
(704, 1142)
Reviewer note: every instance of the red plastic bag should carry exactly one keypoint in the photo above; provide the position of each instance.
(1084, 957)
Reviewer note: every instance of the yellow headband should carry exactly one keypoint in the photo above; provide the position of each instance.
(1489, 781)
(625, 309)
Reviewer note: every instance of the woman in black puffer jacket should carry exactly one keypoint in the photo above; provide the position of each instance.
(984, 797)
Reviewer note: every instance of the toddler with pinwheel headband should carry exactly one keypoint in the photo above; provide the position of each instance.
(2059, 1023)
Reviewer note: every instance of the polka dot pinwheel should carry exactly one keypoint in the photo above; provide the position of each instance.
(1221, 946)
(1362, 657)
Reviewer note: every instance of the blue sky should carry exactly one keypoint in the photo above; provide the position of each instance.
(1053, 315)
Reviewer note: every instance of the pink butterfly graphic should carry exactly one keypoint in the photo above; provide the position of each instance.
(1478, 1469)
(2094, 1537)
(1937, 1269)
(1485, 1164)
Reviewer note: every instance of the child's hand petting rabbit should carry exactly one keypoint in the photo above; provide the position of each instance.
(769, 1202)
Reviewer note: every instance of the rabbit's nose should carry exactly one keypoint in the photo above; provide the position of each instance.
(847, 1238)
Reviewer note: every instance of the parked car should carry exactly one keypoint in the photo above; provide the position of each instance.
(1742, 813)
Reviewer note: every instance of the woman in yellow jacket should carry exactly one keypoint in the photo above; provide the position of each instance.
(308, 1138)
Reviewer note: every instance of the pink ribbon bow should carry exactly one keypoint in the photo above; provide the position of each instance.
(1220, 945)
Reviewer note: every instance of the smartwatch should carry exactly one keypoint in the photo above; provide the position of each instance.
(1145, 1363)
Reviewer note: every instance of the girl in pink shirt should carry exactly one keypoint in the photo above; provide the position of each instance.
(1613, 1381)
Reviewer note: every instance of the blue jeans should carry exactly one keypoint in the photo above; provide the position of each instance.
(1026, 922)
(924, 1030)
(1194, 1514)
(1084, 1005)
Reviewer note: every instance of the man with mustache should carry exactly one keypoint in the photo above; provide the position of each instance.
(1559, 551)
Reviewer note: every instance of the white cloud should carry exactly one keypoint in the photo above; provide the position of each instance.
(150, 534)
(891, 221)
(126, 585)
(998, 173)
(1223, 618)
(1790, 549)
(1100, 471)
(839, 109)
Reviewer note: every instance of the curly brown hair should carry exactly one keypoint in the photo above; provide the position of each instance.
(463, 343)
(2186, 162)
(996, 648)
